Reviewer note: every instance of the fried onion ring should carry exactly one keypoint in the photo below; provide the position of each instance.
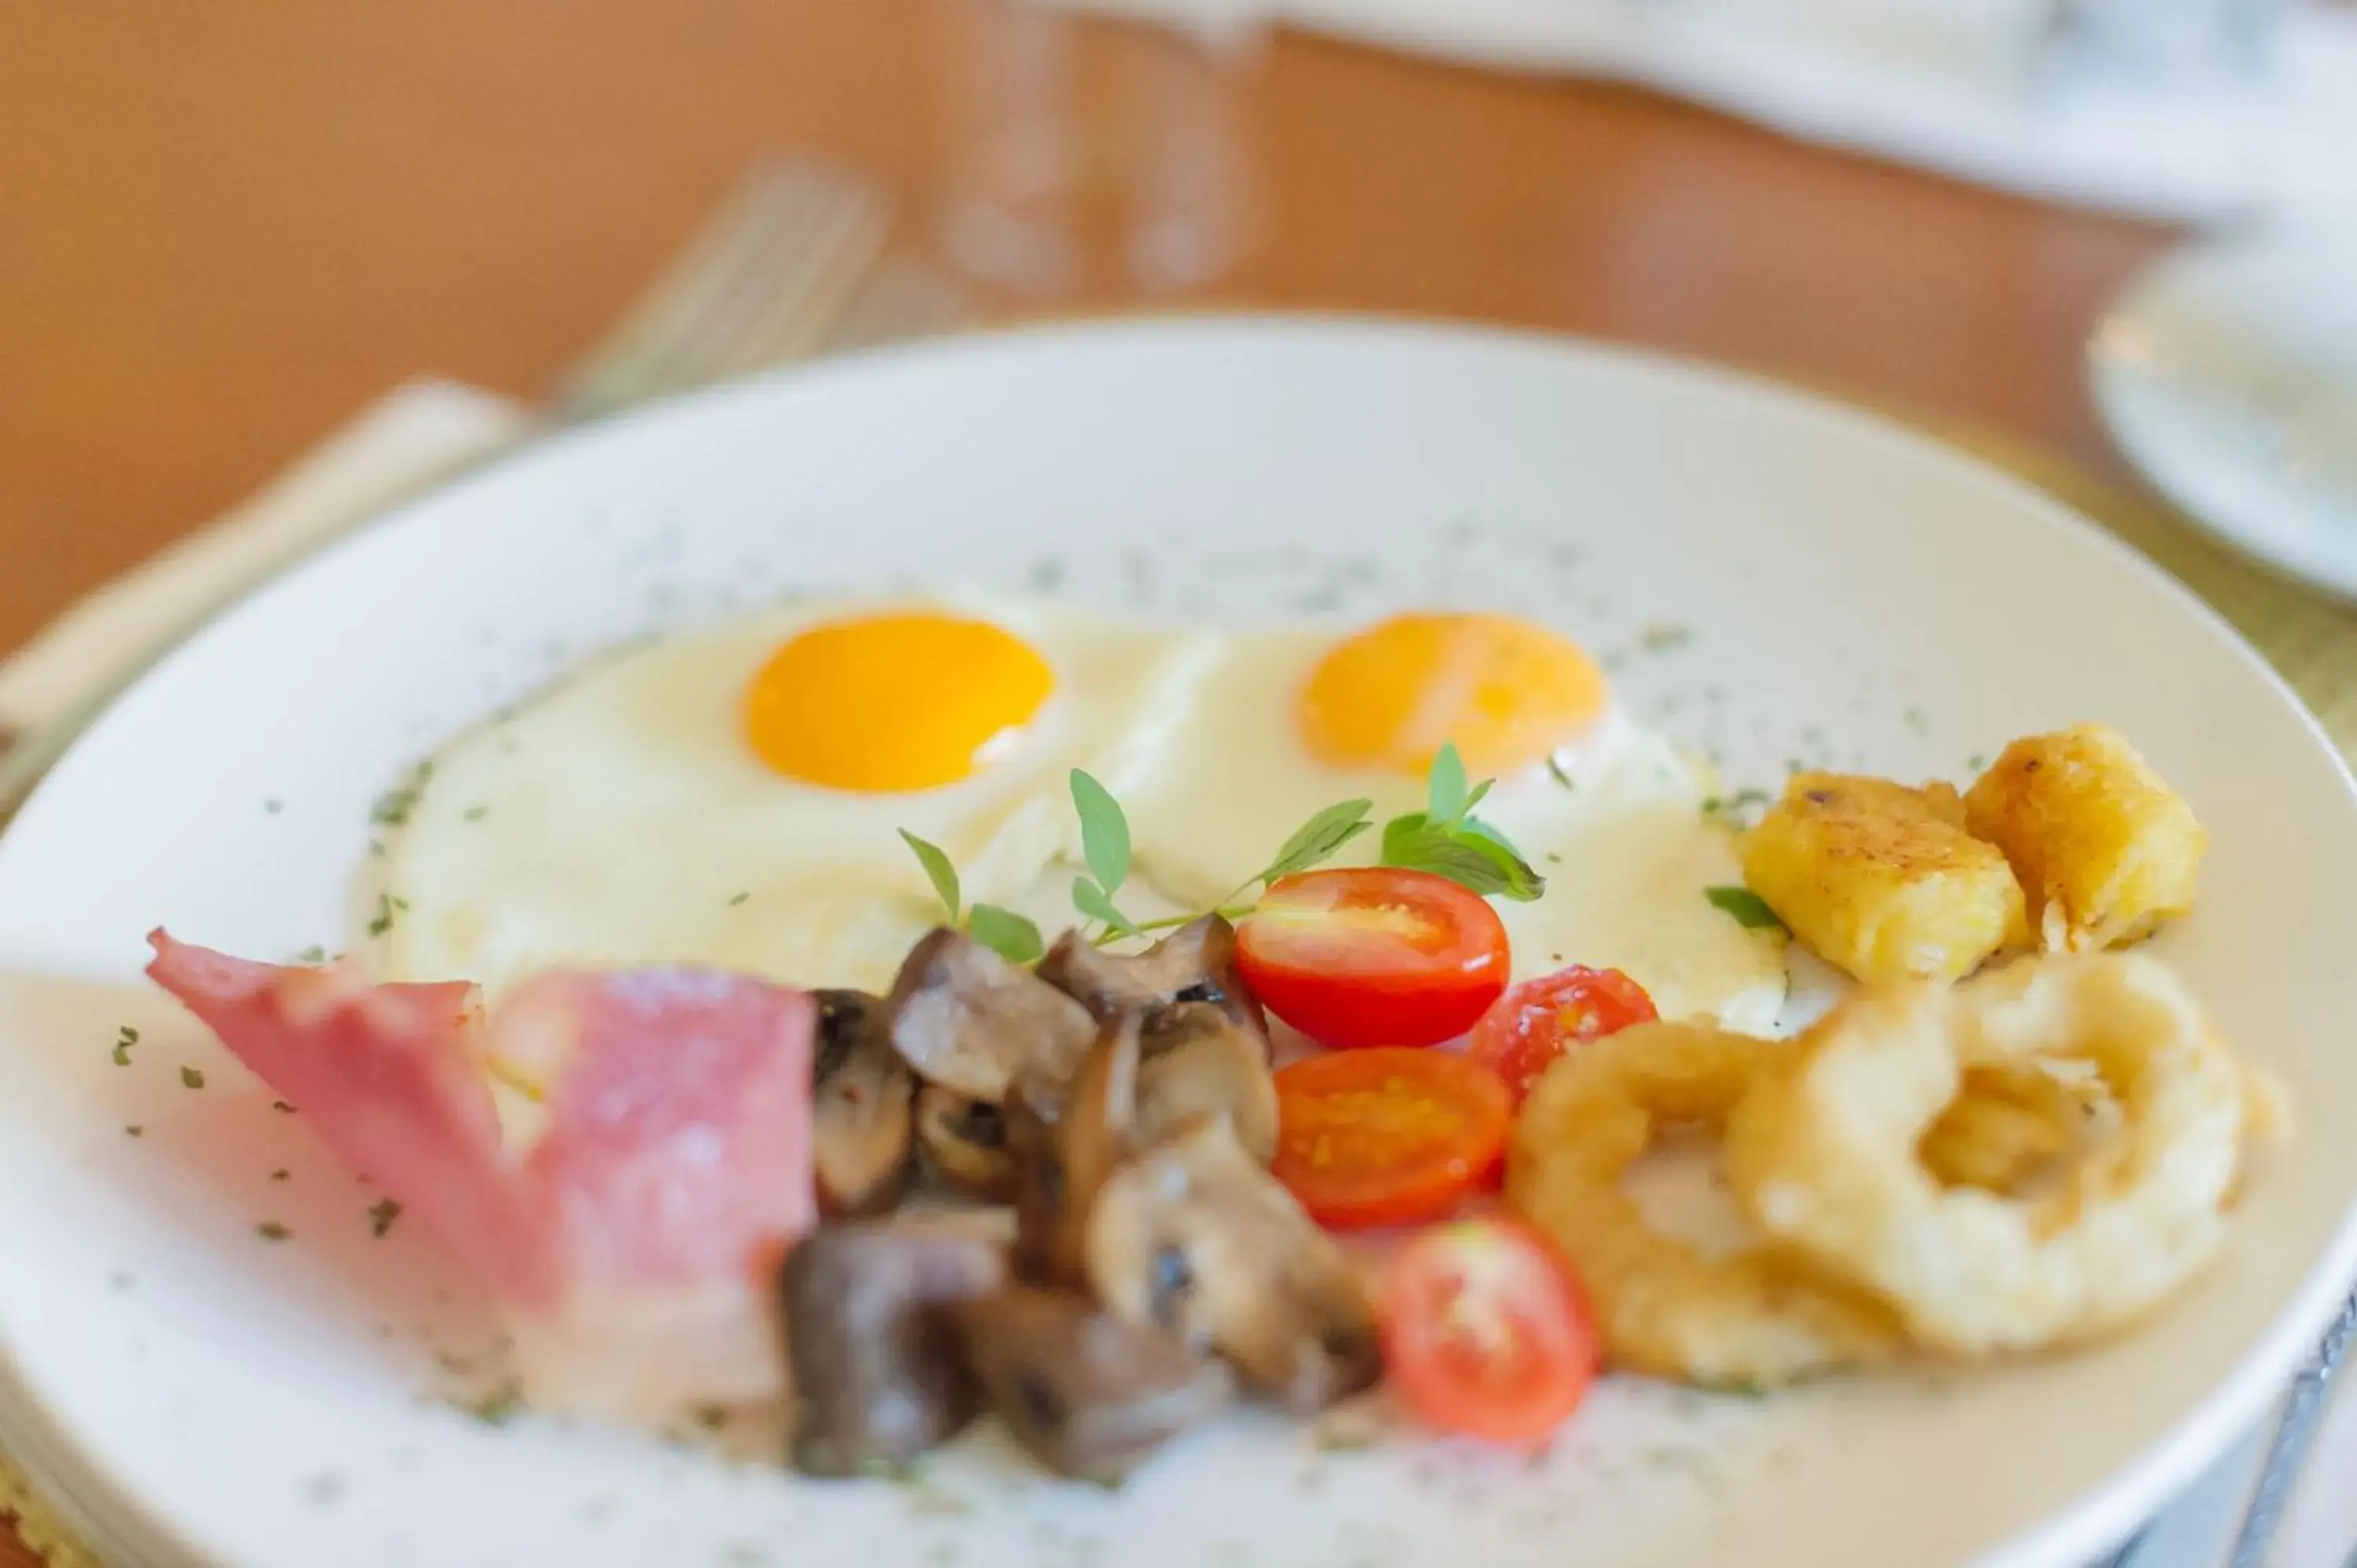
(2010, 1125)
(1825, 1154)
(1748, 1319)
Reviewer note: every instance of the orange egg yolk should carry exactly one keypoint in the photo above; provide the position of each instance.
(1506, 691)
(892, 702)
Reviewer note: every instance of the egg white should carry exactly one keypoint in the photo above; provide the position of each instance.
(1628, 855)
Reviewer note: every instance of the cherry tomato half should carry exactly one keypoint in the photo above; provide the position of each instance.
(1486, 1332)
(1387, 1136)
(1373, 956)
(1537, 1021)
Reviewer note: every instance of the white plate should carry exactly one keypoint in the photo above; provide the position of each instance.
(2228, 373)
(1854, 593)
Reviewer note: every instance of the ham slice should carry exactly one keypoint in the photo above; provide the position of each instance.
(678, 1146)
(675, 1168)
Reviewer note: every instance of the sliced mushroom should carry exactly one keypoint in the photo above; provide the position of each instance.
(862, 1141)
(1195, 963)
(966, 1141)
(1192, 1237)
(1199, 1061)
(965, 1018)
(1090, 1394)
(879, 1364)
(846, 1019)
(1066, 1140)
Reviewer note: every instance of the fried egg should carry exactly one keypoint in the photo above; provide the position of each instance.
(1282, 724)
(736, 798)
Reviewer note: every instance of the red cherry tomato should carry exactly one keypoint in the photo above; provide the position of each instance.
(1373, 956)
(1485, 1332)
(1537, 1021)
(1387, 1136)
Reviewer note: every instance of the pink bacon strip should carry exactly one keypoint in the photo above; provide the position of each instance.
(678, 1145)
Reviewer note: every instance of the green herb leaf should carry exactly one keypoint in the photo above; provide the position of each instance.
(1562, 776)
(1480, 792)
(1447, 789)
(1472, 857)
(1730, 807)
(1093, 901)
(498, 1406)
(191, 1078)
(737, 899)
(123, 1041)
(271, 1230)
(1318, 840)
(938, 870)
(1480, 828)
(392, 808)
(382, 1216)
(382, 921)
(315, 953)
(1751, 910)
(1006, 933)
(1104, 831)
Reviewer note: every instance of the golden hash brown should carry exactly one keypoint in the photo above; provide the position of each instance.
(2104, 849)
(1883, 880)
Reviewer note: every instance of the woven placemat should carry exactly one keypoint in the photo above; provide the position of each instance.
(2314, 644)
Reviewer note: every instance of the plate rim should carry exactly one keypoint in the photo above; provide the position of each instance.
(2097, 1519)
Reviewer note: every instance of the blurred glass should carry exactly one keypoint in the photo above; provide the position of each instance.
(2161, 43)
(1088, 159)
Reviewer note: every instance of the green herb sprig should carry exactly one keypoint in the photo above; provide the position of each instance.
(1749, 911)
(1002, 931)
(1446, 839)
(1735, 811)
(1104, 845)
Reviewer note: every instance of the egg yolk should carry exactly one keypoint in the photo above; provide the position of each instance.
(1506, 691)
(892, 702)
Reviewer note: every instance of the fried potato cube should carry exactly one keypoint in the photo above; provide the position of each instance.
(1883, 880)
(2104, 849)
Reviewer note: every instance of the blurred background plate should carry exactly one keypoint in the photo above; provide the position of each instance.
(2228, 374)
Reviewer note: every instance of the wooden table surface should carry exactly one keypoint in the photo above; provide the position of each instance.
(225, 228)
